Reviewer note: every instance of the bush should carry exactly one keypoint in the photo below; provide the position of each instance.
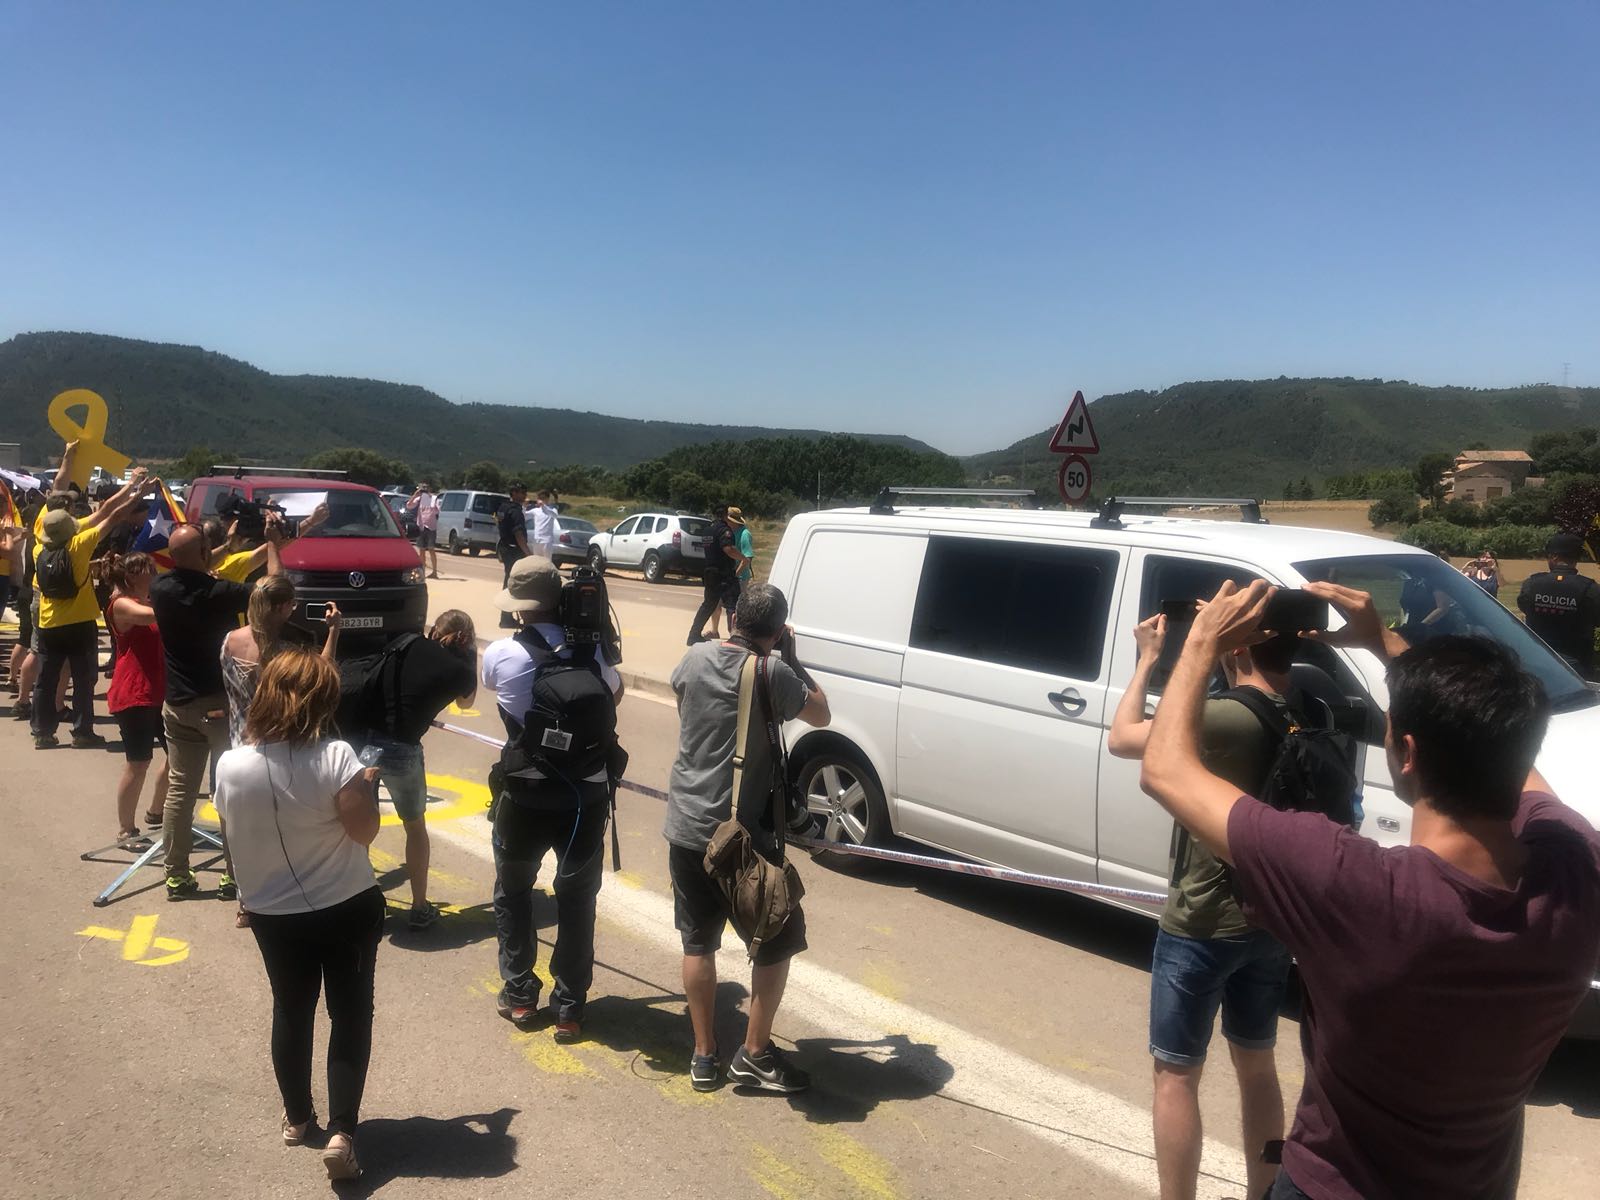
(1505, 541)
(1463, 513)
(1393, 508)
(484, 477)
(364, 466)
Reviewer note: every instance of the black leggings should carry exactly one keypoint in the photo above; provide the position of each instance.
(334, 947)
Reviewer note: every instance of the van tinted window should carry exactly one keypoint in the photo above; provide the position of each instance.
(488, 502)
(1018, 604)
(453, 502)
(1180, 579)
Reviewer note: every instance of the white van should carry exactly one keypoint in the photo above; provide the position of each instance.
(974, 657)
(467, 520)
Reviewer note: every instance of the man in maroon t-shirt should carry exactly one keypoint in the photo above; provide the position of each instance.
(1438, 976)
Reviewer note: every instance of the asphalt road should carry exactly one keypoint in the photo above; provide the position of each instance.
(967, 1038)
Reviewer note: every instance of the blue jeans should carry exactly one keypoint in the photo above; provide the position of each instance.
(1191, 978)
(1284, 1188)
(404, 773)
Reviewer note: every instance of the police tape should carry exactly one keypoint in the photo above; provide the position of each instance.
(952, 866)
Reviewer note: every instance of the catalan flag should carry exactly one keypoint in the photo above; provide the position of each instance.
(164, 513)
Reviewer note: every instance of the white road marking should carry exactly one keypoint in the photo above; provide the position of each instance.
(1091, 1125)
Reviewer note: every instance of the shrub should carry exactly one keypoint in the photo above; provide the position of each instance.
(1393, 508)
(1505, 541)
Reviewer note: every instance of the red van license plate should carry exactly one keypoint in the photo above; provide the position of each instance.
(360, 622)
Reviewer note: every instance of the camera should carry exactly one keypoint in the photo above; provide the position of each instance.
(584, 614)
(252, 517)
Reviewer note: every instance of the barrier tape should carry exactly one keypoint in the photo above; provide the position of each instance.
(953, 866)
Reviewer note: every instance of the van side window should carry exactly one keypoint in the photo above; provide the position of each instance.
(1017, 604)
(1179, 579)
(484, 503)
(453, 502)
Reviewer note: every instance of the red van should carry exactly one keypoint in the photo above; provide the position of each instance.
(359, 559)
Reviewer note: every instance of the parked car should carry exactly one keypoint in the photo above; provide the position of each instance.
(467, 520)
(407, 521)
(960, 646)
(572, 541)
(358, 558)
(656, 543)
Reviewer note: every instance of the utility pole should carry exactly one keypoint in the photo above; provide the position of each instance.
(1566, 372)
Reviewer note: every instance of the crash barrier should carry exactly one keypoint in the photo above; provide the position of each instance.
(952, 866)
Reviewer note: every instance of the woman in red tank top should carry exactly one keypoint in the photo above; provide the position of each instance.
(138, 687)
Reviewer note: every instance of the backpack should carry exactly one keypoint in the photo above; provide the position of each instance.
(570, 732)
(53, 575)
(362, 708)
(1314, 769)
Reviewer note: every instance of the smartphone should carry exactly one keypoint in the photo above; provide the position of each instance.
(1179, 610)
(1293, 611)
(316, 611)
(370, 756)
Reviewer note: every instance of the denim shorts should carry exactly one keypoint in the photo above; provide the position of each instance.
(404, 776)
(1191, 978)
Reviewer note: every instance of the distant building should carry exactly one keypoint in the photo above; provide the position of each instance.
(1481, 475)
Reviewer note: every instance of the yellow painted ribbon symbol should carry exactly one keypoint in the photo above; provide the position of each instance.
(90, 436)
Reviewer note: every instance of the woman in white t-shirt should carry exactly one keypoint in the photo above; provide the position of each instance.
(300, 811)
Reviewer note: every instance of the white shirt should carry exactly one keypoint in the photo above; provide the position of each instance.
(290, 851)
(508, 668)
(544, 525)
(427, 505)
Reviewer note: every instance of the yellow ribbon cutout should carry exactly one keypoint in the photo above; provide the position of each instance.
(90, 436)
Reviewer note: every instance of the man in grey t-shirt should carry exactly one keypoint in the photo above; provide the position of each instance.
(699, 798)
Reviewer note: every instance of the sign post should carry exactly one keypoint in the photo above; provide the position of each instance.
(1075, 438)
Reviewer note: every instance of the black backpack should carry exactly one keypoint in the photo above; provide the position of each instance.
(1314, 770)
(362, 708)
(53, 576)
(570, 733)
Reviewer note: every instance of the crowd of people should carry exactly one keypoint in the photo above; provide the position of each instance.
(1483, 932)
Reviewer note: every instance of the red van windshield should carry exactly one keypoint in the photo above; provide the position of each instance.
(351, 514)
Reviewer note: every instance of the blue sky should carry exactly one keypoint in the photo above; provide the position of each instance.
(932, 218)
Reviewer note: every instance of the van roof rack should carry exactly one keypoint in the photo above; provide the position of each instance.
(883, 506)
(308, 472)
(1111, 507)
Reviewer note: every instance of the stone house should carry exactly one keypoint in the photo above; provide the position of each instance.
(1481, 475)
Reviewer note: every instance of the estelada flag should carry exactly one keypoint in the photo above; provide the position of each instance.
(163, 514)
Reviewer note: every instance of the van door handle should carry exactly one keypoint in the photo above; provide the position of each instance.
(1388, 825)
(1068, 700)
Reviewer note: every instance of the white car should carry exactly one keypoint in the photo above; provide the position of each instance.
(974, 657)
(656, 543)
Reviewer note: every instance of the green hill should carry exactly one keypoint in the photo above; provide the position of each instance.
(1241, 437)
(165, 398)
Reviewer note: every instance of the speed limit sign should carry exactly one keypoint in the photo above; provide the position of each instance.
(1073, 479)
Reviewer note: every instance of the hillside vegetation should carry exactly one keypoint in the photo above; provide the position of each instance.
(165, 399)
(1254, 437)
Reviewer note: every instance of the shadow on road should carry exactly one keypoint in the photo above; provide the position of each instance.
(476, 1146)
(1571, 1079)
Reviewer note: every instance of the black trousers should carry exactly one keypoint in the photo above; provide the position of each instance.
(721, 588)
(334, 948)
(523, 835)
(510, 556)
(76, 648)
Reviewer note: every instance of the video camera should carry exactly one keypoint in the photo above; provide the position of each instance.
(252, 517)
(584, 614)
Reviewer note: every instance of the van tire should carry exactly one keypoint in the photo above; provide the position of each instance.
(652, 567)
(453, 544)
(837, 784)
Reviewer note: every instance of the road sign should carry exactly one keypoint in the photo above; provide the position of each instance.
(1074, 479)
(1075, 434)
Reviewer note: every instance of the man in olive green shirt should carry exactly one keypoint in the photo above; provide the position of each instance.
(1207, 956)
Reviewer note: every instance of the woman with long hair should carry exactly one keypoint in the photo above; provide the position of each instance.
(138, 686)
(300, 812)
(248, 649)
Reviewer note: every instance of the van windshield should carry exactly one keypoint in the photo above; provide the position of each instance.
(1422, 598)
(351, 514)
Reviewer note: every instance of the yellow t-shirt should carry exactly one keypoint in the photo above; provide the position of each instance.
(83, 607)
(236, 567)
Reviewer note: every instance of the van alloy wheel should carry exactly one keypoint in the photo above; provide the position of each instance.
(454, 544)
(847, 798)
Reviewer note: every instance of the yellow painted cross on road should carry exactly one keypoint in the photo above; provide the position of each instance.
(138, 940)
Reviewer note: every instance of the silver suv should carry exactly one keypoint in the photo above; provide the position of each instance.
(655, 543)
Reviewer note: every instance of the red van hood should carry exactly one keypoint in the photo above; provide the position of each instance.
(350, 554)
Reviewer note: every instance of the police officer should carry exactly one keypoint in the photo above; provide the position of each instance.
(1562, 606)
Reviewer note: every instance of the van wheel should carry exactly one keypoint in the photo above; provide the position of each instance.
(842, 790)
(454, 544)
(597, 560)
(652, 567)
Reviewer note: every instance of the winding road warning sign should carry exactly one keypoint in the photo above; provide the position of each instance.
(1075, 434)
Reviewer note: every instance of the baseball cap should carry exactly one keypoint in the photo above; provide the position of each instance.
(534, 586)
(1564, 545)
(58, 527)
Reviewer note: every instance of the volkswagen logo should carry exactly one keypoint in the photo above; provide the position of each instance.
(357, 579)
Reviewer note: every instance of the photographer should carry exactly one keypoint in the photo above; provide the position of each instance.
(239, 548)
(1440, 975)
(535, 813)
(699, 799)
(195, 611)
(426, 507)
(417, 682)
(1208, 957)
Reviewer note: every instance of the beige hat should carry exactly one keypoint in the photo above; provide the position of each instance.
(59, 527)
(534, 586)
(736, 514)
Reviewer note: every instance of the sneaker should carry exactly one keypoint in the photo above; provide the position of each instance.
(768, 1071)
(340, 1158)
(705, 1073)
(295, 1135)
(422, 917)
(568, 1031)
(182, 887)
(88, 741)
(22, 710)
(45, 741)
(227, 888)
(522, 1014)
